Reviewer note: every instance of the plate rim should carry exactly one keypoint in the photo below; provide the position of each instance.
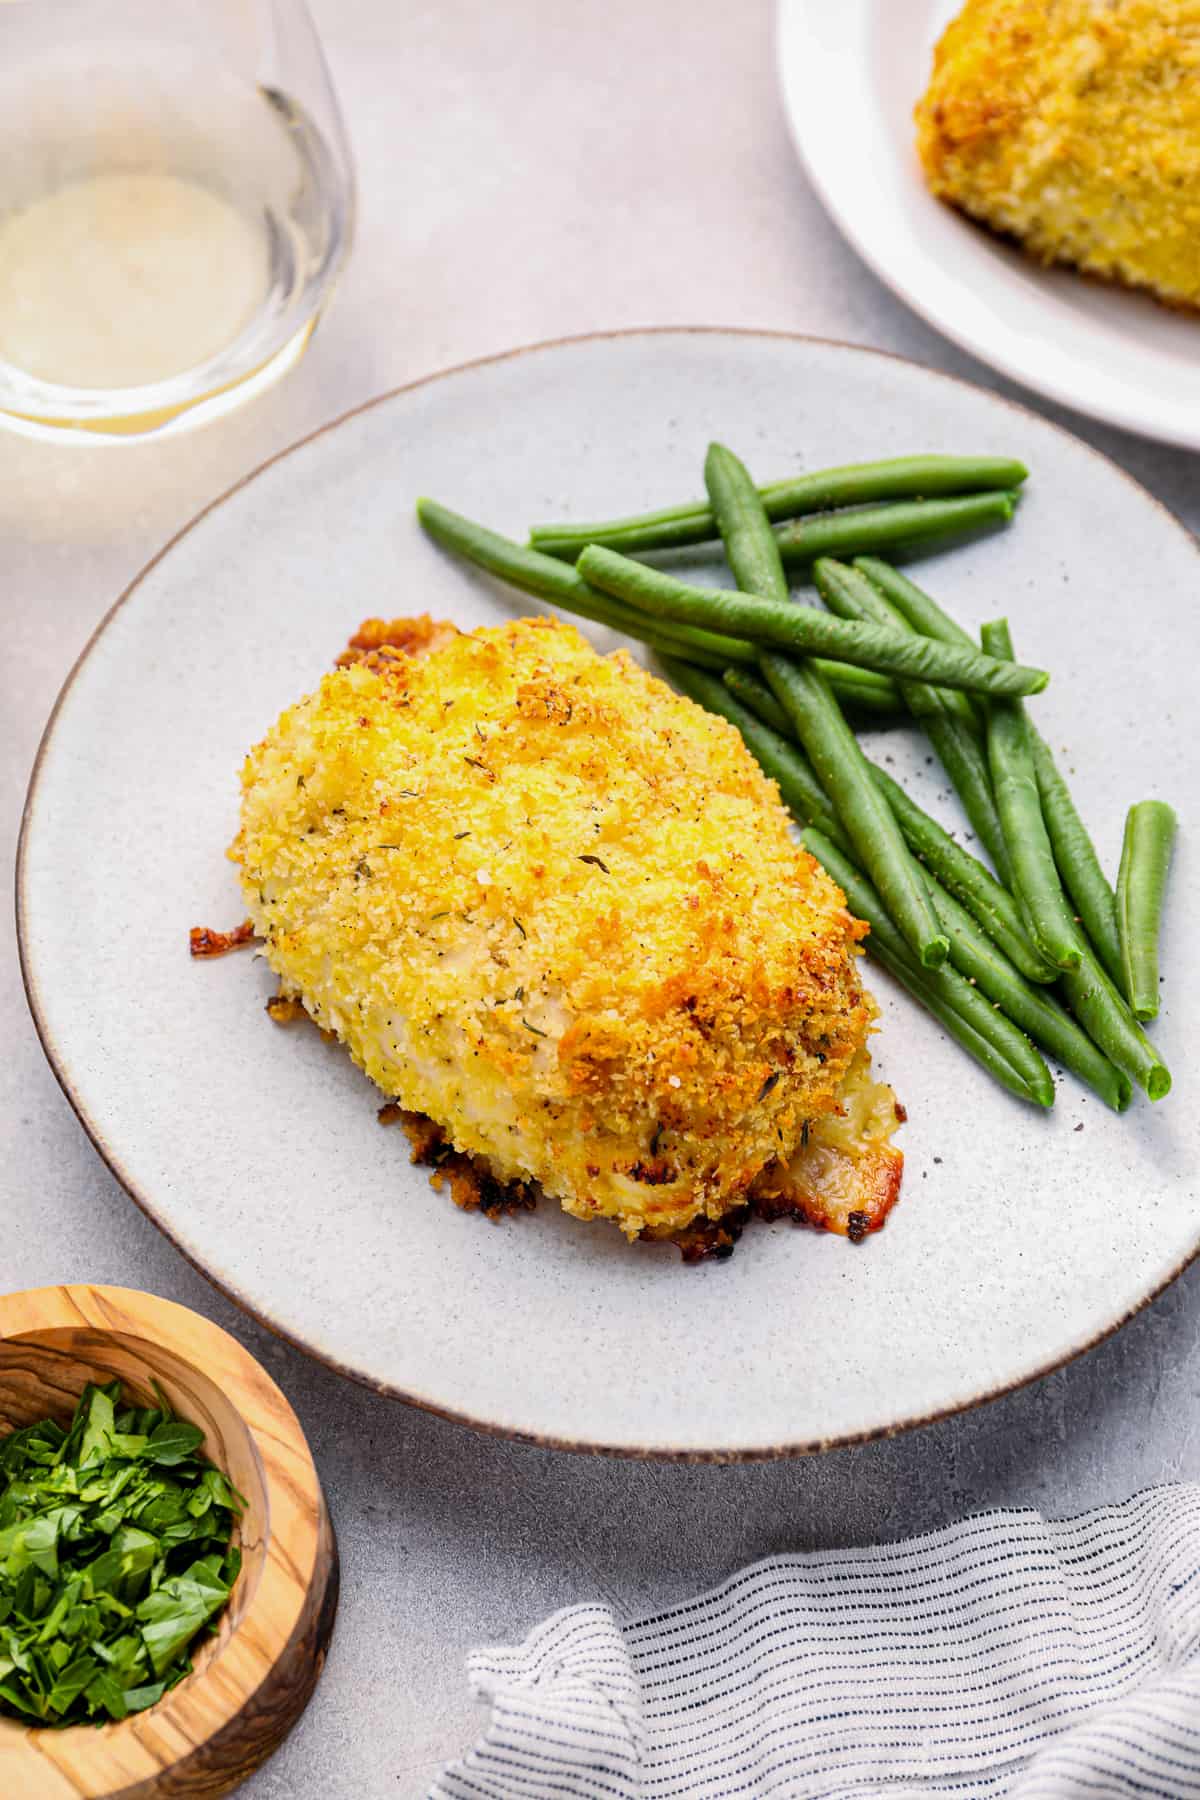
(220, 1280)
(788, 20)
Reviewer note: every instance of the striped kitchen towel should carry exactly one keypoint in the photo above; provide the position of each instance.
(1008, 1655)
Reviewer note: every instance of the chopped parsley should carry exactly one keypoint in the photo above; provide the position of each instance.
(115, 1556)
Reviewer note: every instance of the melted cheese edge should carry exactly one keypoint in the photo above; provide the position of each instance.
(845, 1176)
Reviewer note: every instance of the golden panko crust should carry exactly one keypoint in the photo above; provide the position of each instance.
(1074, 125)
(556, 907)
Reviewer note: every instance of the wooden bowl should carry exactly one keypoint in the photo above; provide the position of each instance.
(253, 1679)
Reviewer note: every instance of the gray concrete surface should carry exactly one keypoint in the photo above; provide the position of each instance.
(527, 171)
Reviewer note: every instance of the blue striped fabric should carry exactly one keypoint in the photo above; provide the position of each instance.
(1008, 1655)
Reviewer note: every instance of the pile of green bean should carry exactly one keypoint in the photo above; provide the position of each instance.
(1036, 954)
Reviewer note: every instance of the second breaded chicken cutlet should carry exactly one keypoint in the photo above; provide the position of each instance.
(1074, 125)
(554, 906)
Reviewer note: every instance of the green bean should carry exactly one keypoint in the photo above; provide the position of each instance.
(671, 647)
(972, 952)
(1036, 1012)
(753, 557)
(927, 616)
(905, 526)
(844, 773)
(548, 579)
(903, 477)
(685, 638)
(943, 860)
(960, 753)
(1075, 855)
(775, 754)
(851, 596)
(870, 698)
(681, 640)
(750, 547)
(754, 694)
(987, 1035)
(951, 732)
(1145, 859)
(923, 614)
(800, 628)
(920, 612)
(1112, 1027)
(873, 696)
(967, 879)
(1035, 877)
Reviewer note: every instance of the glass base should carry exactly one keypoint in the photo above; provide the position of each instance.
(163, 421)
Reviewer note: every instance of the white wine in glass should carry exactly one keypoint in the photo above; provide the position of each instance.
(176, 201)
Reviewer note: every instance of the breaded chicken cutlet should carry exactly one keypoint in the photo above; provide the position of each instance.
(555, 907)
(1074, 125)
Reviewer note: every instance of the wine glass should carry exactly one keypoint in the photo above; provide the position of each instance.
(176, 201)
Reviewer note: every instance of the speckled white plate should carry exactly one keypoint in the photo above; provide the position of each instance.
(851, 74)
(1020, 1239)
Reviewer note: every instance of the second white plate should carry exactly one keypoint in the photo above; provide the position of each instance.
(851, 75)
